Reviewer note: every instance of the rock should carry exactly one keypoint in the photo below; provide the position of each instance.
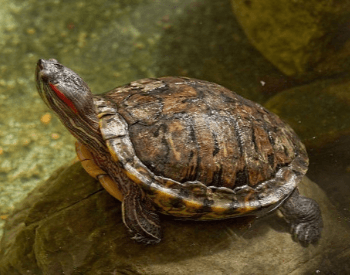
(303, 39)
(318, 112)
(69, 225)
(109, 43)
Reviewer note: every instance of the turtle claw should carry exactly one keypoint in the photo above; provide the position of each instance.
(306, 233)
(141, 239)
(139, 217)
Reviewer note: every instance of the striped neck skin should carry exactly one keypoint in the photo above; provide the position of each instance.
(70, 98)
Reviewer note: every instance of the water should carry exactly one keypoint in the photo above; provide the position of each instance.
(110, 43)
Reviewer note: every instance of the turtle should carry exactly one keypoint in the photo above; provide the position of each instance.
(183, 147)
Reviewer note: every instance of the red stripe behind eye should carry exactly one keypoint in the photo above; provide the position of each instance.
(66, 100)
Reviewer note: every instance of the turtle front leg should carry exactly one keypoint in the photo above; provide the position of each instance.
(304, 216)
(96, 172)
(139, 216)
(138, 212)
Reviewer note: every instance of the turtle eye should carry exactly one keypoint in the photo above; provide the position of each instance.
(65, 99)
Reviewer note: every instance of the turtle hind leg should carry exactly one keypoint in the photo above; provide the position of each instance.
(304, 216)
(139, 217)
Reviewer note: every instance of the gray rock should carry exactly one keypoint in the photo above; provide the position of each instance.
(304, 39)
(69, 225)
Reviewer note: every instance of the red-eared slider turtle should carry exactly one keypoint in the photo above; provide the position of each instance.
(183, 147)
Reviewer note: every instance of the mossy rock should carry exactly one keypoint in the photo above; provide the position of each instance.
(319, 112)
(304, 39)
(70, 225)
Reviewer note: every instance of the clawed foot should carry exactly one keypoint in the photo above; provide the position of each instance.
(142, 239)
(139, 217)
(304, 216)
(306, 233)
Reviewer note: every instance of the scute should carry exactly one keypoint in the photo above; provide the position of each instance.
(192, 130)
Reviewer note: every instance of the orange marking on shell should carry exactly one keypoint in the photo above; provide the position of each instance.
(247, 208)
(192, 205)
(132, 177)
(112, 152)
(218, 210)
(110, 186)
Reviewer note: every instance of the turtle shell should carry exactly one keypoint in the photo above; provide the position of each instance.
(189, 130)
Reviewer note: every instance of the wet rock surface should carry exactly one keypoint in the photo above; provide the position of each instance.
(306, 40)
(70, 225)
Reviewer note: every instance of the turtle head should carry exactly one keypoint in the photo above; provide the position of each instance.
(66, 93)
(63, 90)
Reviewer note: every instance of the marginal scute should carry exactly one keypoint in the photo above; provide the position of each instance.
(199, 150)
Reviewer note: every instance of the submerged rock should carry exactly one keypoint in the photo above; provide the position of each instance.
(303, 39)
(70, 225)
(318, 112)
